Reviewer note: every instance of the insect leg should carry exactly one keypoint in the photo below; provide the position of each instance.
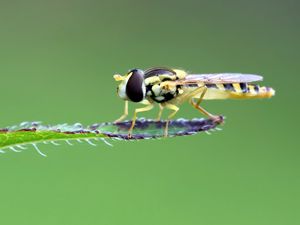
(136, 111)
(175, 110)
(125, 114)
(161, 108)
(197, 106)
(202, 95)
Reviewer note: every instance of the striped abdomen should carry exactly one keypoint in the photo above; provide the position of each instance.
(238, 91)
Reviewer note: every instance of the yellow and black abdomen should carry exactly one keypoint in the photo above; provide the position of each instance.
(237, 91)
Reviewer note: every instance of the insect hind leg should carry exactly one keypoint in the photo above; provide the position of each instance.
(199, 108)
(196, 104)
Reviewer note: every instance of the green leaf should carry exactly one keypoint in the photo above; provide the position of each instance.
(31, 133)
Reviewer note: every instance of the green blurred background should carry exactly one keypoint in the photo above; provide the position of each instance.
(57, 61)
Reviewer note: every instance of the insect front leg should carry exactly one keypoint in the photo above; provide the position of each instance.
(175, 110)
(136, 111)
(125, 114)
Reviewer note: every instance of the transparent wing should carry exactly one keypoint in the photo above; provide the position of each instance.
(220, 78)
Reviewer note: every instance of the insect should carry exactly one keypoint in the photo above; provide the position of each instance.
(171, 87)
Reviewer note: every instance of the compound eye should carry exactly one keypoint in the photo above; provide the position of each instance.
(135, 90)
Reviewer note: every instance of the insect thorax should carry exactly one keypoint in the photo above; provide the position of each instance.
(155, 80)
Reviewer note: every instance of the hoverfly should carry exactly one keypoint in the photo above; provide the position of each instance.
(171, 87)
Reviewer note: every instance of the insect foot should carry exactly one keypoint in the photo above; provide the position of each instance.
(218, 119)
